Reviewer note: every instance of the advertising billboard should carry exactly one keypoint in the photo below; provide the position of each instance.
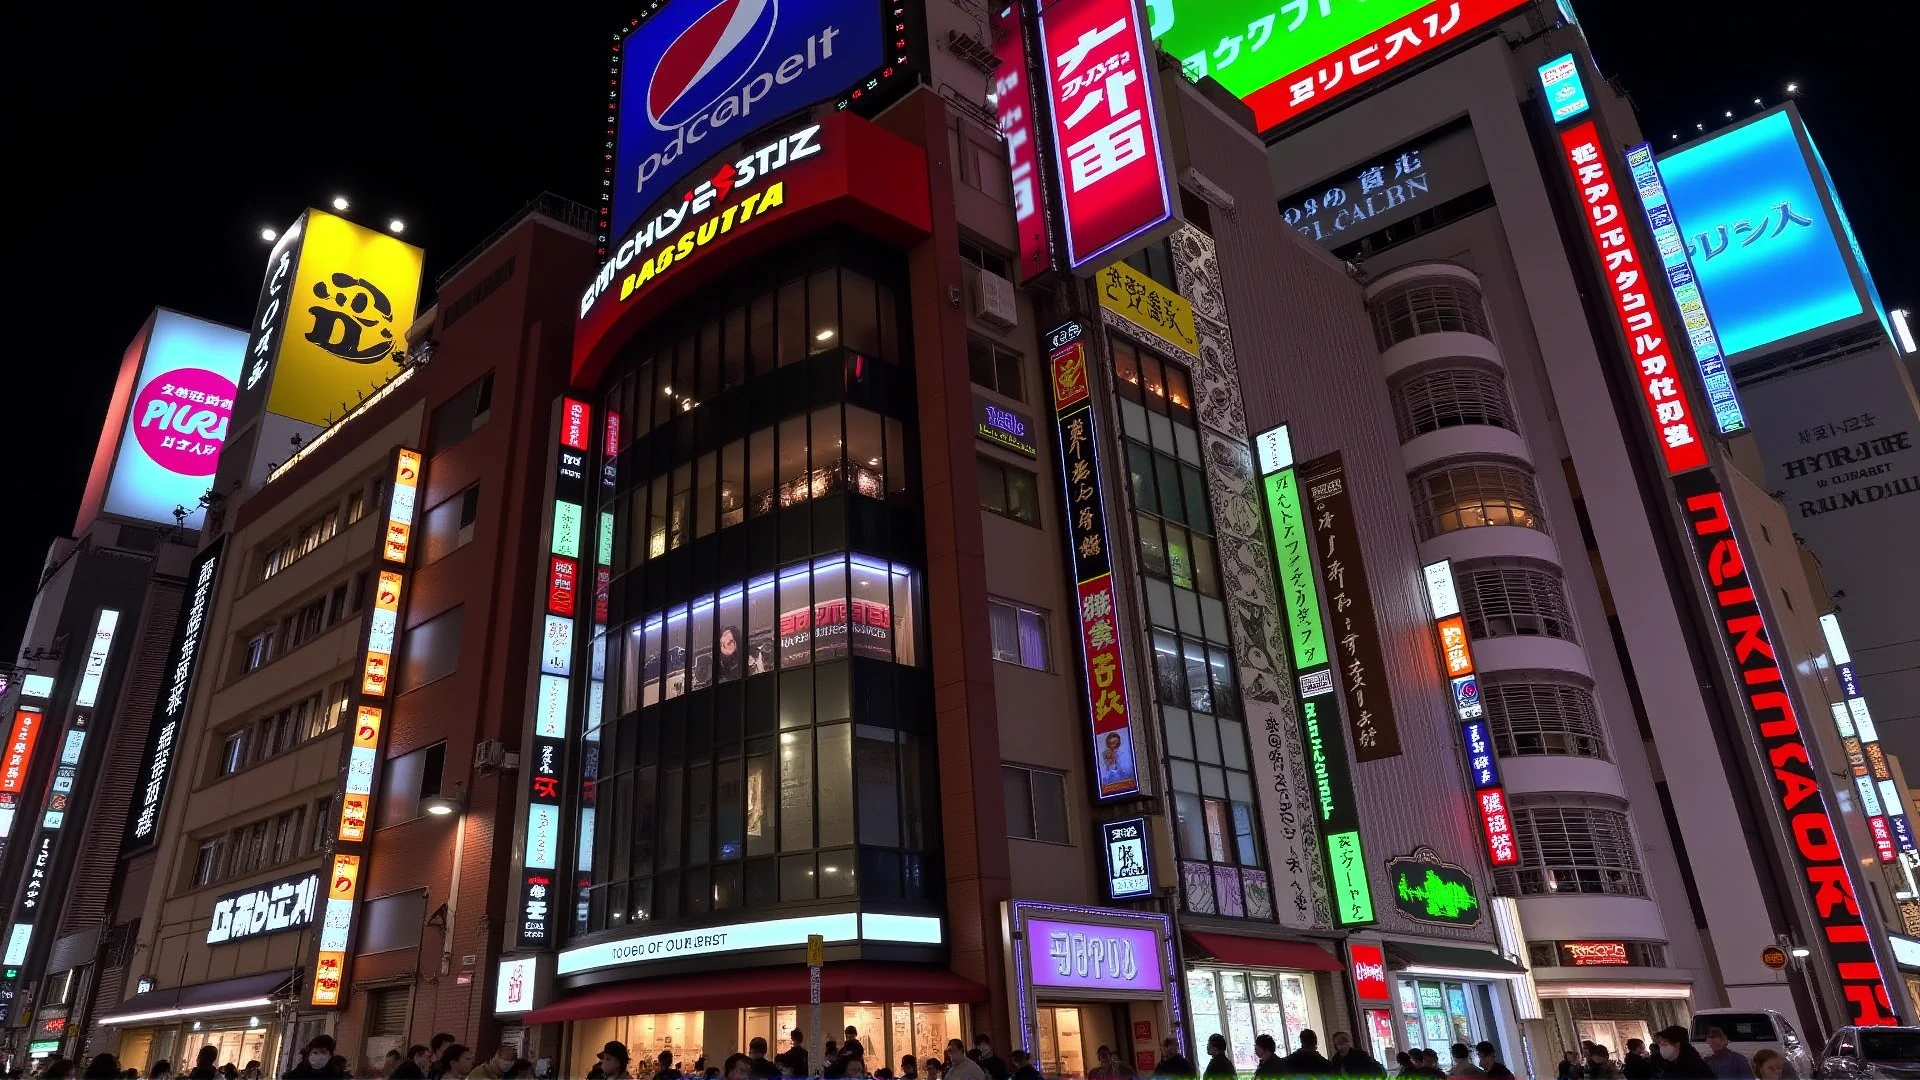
(1356, 637)
(1115, 187)
(1411, 178)
(1285, 60)
(694, 76)
(177, 420)
(1753, 208)
(1017, 110)
(345, 316)
(170, 705)
(1566, 94)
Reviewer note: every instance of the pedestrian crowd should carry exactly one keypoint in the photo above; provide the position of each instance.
(445, 1058)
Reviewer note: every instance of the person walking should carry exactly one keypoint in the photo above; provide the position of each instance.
(959, 1065)
(666, 1071)
(414, 1065)
(1174, 1064)
(1219, 1066)
(990, 1062)
(794, 1058)
(909, 1068)
(1726, 1064)
(204, 1064)
(1308, 1060)
(1678, 1059)
(102, 1067)
(162, 1070)
(1570, 1067)
(1350, 1060)
(1490, 1062)
(1638, 1064)
(1270, 1063)
(1463, 1063)
(1023, 1067)
(316, 1059)
(612, 1061)
(499, 1065)
(1768, 1065)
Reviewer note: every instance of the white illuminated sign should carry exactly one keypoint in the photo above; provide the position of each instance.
(97, 658)
(742, 937)
(1441, 596)
(1862, 720)
(264, 909)
(1274, 449)
(513, 991)
(556, 649)
(36, 686)
(1906, 951)
(543, 836)
(17, 944)
(1842, 721)
(550, 712)
(380, 635)
(1836, 642)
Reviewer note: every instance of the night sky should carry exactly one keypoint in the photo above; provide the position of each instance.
(143, 175)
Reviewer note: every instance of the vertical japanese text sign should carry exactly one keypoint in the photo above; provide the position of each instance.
(344, 867)
(595, 712)
(1356, 634)
(540, 895)
(1463, 682)
(1335, 814)
(1104, 123)
(1116, 772)
(1017, 110)
(1818, 850)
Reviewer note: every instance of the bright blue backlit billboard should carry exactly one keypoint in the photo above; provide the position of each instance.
(1760, 231)
(699, 75)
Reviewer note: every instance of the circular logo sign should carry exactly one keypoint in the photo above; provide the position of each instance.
(1774, 957)
(180, 418)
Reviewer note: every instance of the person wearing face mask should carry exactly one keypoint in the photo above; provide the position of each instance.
(499, 1065)
(1678, 1059)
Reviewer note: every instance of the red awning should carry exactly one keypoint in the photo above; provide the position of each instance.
(850, 981)
(1265, 952)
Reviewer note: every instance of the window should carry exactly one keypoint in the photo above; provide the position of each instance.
(982, 165)
(1428, 306)
(249, 852)
(1572, 849)
(1009, 491)
(1156, 261)
(309, 620)
(1514, 600)
(995, 367)
(328, 709)
(410, 778)
(300, 543)
(356, 505)
(1531, 718)
(206, 866)
(431, 650)
(460, 416)
(257, 651)
(1452, 397)
(357, 596)
(393, 922)
(1019, 634)
(387, 1011)
(322, 821)
(1474, 494)
(233, 753)
(287, 836)
(1036, 804)
(450, 524)
(985, 258)
(1175, 543)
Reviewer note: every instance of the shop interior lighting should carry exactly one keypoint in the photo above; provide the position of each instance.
(195, 1010)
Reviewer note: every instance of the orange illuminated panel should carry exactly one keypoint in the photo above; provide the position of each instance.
(366, 728)
(329, 975)
(1453, 646)
(19, 750)
(353, 817)
(387, 597)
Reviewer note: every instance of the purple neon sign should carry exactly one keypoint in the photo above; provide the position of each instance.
(1093, 956)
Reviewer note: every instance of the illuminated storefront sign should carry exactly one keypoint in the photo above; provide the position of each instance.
(1714, 376)
(177, 418)
(1343, 571)
(170, 706)
(1104, 124)
(1818, 847)
(1150, 307)
(695, 75)
(1428, 890)
(96, 668)
(1004, 427)
(513, 990)
(1751, 202)
(27, 722)
(1285, 60)
(287, 904)
(1566, 94)
(1335, 814)
(1594, 954)
(1483, 767)
(1101, 631)
(1628, 282)
(1093, 956)
(1369, 963)
(1129, 860)
(1880, 797)
(1427, 172)
(1017, 110)
(542, 896)
(365, 753)
(722, 938)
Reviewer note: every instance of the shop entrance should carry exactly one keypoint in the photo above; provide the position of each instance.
(1067, 1038)
(1062, 1052)
(1613, 1034)
(1437, 1013)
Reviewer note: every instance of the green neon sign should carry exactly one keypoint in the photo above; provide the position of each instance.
(1293, 549)
(1347, 867)
(1429, 890)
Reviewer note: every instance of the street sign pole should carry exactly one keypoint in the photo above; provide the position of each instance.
(816, 956)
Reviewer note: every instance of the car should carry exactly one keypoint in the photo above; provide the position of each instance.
(1751, 1030)
(1855, 1053)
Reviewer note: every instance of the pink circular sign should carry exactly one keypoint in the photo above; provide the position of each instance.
(180, 418)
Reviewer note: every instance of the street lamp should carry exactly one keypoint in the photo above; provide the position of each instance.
(440, 805)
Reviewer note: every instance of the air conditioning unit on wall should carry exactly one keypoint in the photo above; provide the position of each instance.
(994, 301)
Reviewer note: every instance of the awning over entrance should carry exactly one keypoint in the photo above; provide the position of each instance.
(1264, 952)
(1423, 959)
(852, 981)
(201, 999)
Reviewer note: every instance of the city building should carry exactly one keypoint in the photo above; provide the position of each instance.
(89, 674)
(312, 622)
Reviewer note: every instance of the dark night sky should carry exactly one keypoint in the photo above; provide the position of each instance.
(147, 172)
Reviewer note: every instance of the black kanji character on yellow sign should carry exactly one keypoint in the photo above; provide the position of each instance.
(359, 312)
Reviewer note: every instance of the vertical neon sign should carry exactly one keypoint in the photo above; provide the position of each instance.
(1483, 765)
(1320, 722)
(1880, 797)
(351, 841)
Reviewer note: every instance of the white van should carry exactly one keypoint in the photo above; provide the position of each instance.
(1750, 1030)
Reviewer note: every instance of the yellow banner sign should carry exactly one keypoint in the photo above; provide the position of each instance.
(352, 300)
(1149, 305)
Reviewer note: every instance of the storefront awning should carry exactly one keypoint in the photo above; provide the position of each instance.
(1264, 952)
(1419, 958)
(201, 999)
(851, 981)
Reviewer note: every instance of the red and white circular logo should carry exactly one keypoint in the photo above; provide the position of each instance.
(180, 418)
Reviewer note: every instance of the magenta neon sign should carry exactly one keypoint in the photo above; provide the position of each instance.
(1093, 956)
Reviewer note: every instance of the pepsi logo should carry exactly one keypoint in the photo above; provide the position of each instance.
(708, 59)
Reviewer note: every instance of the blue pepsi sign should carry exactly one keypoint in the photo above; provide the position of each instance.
(1753, 220)
(697, 76)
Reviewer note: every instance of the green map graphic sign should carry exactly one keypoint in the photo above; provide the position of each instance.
(1285, 57)
(1428, 890)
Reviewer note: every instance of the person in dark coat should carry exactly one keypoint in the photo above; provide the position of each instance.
(1490, 1061)
(1638, 1064)
(414, 1065)
(1172, 1062)
(1350, 1060)
(204, 1066)
(1678, 1059)
(1219, 1066)
(1308, 1060)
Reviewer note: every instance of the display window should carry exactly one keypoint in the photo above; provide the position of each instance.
(1244, 1004)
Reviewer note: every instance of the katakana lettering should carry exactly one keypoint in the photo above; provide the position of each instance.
(1401, 38)
(1706, 246)
(1360, 68)
(1229, 46)
(1434, 27)
(1299, 10)
(1260, 30)
(1329, 82)
(1070, 60)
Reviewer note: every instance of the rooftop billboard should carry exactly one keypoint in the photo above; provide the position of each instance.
(177, 417)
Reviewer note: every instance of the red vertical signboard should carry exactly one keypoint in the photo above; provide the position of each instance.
(1104, 121)
(1017, 111)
